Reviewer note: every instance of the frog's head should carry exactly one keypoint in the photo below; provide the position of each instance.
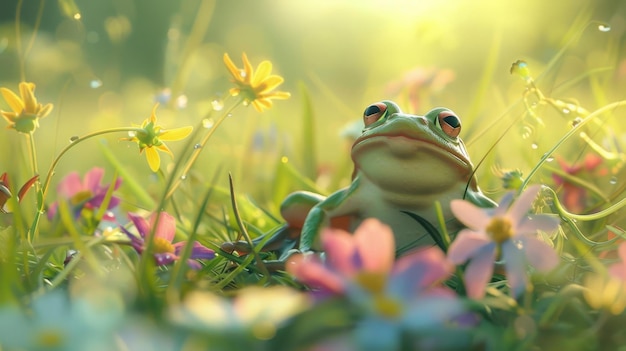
(412, 154)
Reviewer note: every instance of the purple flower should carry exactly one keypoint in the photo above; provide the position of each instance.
(87, 193)
(165, 252)
(506, 233)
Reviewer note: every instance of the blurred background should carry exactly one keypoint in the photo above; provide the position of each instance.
(104, 64)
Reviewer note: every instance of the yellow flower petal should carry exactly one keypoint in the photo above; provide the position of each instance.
(270, 83)
(45, 110)
(234, 71)
(16, 104)
(154, 160)
(175, 134)
(261, 74)
(27, 90)
(247, 67)
(153, 114)
(165, 149)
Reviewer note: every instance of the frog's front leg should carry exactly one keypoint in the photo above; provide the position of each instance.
(338, 211)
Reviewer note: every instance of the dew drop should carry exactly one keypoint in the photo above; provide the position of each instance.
(73, 138)
(534, 146)
(526, 132)
(132, 134)
(77, 16)
(217, 104)
(197, 146)
(604, 27)
(229, 115)
(246, 102)
(95, 83)
(613, 180)
(576, 121)
(183, 177)
(207, 123)
(550, 159)
(566, 111)
(242, 73)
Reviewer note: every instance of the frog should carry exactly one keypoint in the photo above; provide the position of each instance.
(404, 165)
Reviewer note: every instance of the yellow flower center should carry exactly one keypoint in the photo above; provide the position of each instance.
(388, 307)
(500, 229)
(161, 245)
(372, 282)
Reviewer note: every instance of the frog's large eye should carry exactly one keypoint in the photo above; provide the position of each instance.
(449, 123)
(373, 113)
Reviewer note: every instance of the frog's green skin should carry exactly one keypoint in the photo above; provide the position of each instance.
(402, 163)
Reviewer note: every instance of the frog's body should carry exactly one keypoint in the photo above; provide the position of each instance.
(403, 165)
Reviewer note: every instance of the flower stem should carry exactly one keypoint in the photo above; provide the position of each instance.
(196, 151)
(33, 157)
(33, 234)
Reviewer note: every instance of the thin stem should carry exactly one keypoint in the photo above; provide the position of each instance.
(196, 151)
(18, 39)
(586, 120)
(33, 157)
(55, 162)
(31, 42)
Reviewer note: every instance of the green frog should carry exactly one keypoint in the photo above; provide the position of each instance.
(403, 164)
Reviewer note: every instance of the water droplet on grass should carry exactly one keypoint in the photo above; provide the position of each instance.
(207, 123)
(603, 27)
(217, 104)
(73, 138)
(534, 146)
(576, 121)
(95, 83)
(197, 146)
(613, 180)
(183, 177)
(132, 134)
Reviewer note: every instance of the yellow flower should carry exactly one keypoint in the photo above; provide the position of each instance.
(151, 137)
(26, 111)
(255, 86)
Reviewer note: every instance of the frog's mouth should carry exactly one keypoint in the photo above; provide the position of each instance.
(416, 142)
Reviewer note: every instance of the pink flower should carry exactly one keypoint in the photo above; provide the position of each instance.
(165, 252)
(506, 233)
(87, 193)
(574, 196)
(361, 267)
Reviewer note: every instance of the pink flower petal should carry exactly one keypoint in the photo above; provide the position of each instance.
(70, 185)
(467, 245)
(92, 179)
(479, 271)
(539, 254)
(310, 271)
(618, 270)
(140, 223)
(469, 214)
(621, 251)
(520, 207)
(199, 251)
(166, 227)
(532, 223)
(515, 264)
(376, 245)
(504, 204)
(340, 249)
(418, 271)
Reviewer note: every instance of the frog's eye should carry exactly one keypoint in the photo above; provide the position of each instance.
(449, 123)
(373, 113)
